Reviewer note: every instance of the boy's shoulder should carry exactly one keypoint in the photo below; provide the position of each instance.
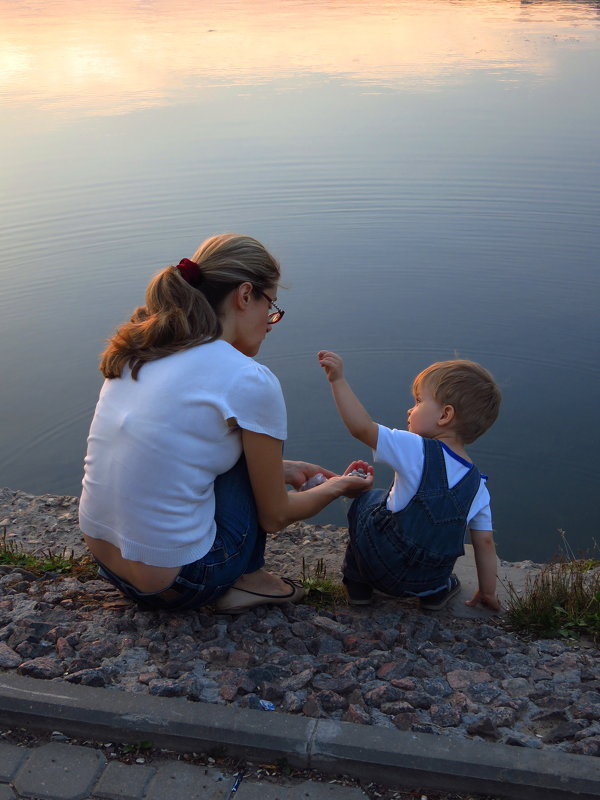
(400, 449)
(397, 438)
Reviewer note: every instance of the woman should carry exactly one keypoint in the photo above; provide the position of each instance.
(184, 470)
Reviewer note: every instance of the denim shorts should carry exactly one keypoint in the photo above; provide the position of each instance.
(238, 548)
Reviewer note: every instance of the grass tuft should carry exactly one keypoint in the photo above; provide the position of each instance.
(320, 590)
(563, 599)
(48, 561)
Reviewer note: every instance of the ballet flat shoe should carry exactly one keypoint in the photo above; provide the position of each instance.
(236, 601)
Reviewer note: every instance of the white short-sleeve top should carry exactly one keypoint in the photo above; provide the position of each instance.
(404, 453)
(156, 445)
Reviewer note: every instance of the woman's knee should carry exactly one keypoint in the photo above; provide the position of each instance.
(235, 507)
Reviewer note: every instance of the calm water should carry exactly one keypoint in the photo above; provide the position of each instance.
(427, 171)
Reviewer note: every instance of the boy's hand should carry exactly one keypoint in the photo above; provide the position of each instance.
(360, 465)
(353, 485)
(356, 484)
(487, 600)
(332, 364)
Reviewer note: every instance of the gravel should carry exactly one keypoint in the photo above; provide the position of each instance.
(387, 665)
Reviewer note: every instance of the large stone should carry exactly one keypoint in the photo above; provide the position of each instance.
(298, 681)
(587, 706)
(45, 668)
(8, 658)
(382, 694)
(464, 679)
(445, 715)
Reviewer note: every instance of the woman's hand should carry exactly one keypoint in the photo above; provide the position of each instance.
(276, 506)
(296, 473)
(332, 364)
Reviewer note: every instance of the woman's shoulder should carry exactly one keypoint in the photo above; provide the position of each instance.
(218, 355)
(233, 371)
(252, 374)
(226, 354)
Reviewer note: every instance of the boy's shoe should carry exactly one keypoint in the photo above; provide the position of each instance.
(359, 594)
(434, 602)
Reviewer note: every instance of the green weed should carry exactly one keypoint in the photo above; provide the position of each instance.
(563, 599)
(137, 748)
(48, 561)
(320, 590)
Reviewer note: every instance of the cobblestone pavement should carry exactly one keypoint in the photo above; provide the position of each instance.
(59, 771)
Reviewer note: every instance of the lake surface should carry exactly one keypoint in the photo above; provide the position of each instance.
(428, 173)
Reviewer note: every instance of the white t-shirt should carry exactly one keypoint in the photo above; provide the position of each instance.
(157, 444)
(404, 453)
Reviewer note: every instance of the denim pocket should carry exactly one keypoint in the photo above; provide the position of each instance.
(442, 508)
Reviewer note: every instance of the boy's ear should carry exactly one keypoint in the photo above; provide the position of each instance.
(447, 415)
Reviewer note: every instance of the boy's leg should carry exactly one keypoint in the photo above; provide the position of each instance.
(360, 591)
(437, 600)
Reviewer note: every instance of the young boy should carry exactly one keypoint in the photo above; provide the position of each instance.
(405, 542)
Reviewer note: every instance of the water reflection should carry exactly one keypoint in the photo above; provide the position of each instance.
(123, 56)
(427, 171)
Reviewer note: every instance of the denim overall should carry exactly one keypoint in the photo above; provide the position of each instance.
(412, 551)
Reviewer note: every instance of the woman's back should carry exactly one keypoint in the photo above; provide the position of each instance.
(157, 443)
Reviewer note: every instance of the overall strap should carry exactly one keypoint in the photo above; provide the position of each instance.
(434, 475)
(468, 485)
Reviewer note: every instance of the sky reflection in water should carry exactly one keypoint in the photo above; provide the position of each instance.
(426, 171)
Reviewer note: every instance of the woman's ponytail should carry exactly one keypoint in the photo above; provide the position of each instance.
(183, 302)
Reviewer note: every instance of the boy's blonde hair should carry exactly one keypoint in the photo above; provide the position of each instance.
(469, 388)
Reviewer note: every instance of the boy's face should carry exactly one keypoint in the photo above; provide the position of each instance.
(424, 416)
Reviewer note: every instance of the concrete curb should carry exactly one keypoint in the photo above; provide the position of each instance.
(390, 757)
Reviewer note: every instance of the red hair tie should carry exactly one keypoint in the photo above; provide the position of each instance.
(190, 272)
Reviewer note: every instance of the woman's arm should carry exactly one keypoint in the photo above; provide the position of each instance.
(276, 506)
(354, 415)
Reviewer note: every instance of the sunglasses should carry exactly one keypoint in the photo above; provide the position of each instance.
(274, 316)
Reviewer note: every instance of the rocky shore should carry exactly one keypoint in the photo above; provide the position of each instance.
(388, 664)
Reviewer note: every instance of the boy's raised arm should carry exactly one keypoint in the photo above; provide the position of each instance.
(485, 561)
(351, 410)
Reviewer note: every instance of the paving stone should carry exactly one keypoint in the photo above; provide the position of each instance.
(10, 758)
(184, 780)
(123, 781)
(261, 791)
(310, 790)
(59, 772)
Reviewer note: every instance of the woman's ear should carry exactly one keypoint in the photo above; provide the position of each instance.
(243, 293)
(447, 415)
